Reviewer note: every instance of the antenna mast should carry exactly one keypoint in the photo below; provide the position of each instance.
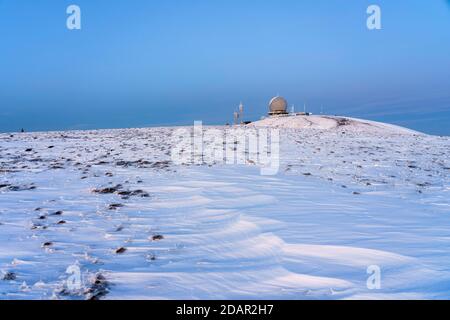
(241, 112)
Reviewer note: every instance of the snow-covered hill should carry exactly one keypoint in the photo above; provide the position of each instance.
(331, 123)
(113, 205)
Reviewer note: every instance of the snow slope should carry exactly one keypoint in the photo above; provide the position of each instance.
(343, 200)
(331, 123)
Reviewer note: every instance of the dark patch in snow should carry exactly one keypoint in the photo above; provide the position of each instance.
(115, 206)
(121, 250)
(157, 237)
(107, 190)
(98, 288)
(9, 276)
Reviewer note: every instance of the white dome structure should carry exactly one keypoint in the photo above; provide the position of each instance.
(278, 106)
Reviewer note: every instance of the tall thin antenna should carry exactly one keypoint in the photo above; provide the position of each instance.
(241, 112)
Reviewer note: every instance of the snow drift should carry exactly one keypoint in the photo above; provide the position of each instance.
(112, 205)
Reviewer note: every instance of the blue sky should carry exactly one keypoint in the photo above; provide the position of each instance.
(143, 63)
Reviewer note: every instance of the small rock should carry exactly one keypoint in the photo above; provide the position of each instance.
(115, 206)
(36, 226)
(99, 288)
(9, 276)
(121, 250)
(107, 190)
(157, 237)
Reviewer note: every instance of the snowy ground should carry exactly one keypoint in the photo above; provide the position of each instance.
(113, 204)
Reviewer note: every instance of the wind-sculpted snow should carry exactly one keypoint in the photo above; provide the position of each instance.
(113, 205)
